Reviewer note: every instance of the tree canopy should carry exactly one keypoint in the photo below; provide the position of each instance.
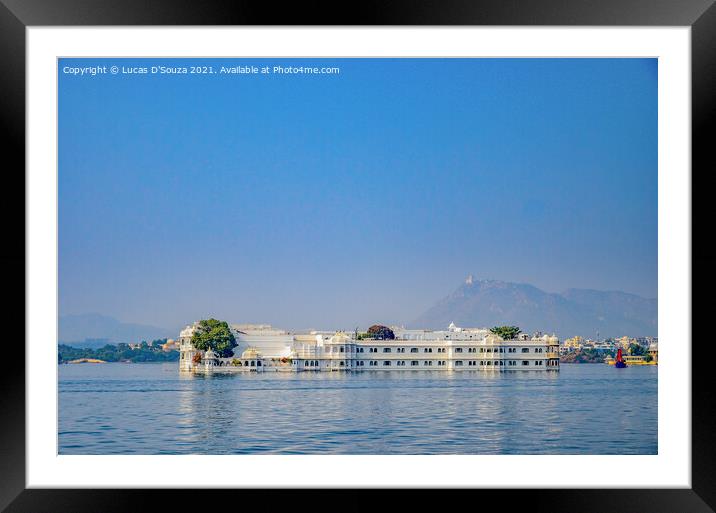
(215, 335)
(381, 332)
(636, 350)
(586, 356)
(506, 332)
(119, 353)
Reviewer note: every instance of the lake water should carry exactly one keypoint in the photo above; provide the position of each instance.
(150, 408)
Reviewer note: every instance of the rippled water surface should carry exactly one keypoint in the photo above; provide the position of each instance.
(151, 409)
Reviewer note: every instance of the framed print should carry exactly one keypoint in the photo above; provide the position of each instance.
(443, 247)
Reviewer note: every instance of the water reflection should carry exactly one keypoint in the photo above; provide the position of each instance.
(152, 409)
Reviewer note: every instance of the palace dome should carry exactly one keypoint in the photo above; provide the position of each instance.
(250, 353)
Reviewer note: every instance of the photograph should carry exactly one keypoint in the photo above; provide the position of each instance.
(357, 256)
(425, 250)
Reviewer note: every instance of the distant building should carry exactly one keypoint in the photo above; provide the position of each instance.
(645, 341)
(625, 342)
(603, 346)
(262, 348)
(170, 345)
(574, 343)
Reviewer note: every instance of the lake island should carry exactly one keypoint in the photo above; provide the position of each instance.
(209, 346)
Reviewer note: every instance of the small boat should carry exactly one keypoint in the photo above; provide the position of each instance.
(620, 363)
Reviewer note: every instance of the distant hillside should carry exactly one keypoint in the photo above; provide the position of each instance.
(487, 303)
(95, 330)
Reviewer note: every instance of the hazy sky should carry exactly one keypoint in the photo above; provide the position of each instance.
(335, 201)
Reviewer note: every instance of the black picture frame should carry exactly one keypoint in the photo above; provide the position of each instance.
(17, 15)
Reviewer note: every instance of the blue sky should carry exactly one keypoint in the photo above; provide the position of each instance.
(334, 201)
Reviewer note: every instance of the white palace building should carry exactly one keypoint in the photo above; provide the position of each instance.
(262, 348)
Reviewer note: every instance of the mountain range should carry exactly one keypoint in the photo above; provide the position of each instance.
(95, 330)
(487, 303)
(476, 303)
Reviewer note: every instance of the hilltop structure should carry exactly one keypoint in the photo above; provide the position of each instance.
(263, 348)
(481, 302)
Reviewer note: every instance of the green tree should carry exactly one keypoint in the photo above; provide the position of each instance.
(506, 332)
(215, 335)
(636, 350)
(156, 344)
(380, 332)
(110, 353)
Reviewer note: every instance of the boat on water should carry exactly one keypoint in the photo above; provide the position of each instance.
(620, 363)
